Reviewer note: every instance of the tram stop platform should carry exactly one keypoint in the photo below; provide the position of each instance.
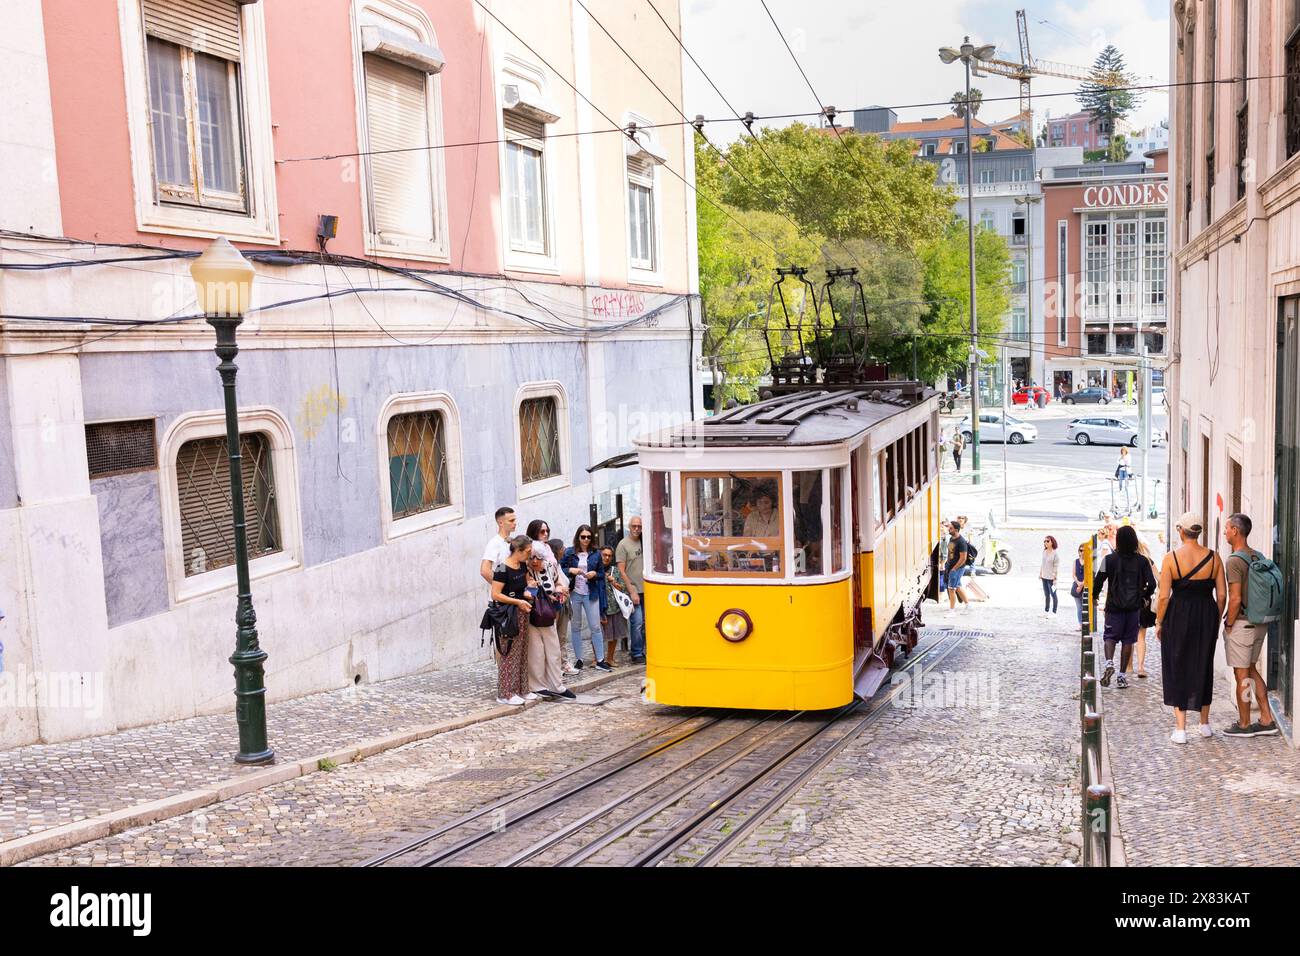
(56, 796)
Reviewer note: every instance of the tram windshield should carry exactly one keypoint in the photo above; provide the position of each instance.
(732, 524)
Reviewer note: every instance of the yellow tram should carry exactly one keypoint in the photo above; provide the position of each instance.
(788, 545)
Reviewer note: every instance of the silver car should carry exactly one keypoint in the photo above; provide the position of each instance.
(1100, 430)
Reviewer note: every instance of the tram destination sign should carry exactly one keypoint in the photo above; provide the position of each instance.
(1126, 194)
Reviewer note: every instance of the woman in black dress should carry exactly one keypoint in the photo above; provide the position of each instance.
(1192, 596)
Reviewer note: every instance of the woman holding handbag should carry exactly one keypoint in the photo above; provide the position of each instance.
(613, 619)
(1147, 618)
(545, 660)
(510, 588)
(582, 564)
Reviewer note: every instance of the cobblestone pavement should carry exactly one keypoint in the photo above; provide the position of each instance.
(994, 782)
(44, 785)
(360, 810)
(1213, 802)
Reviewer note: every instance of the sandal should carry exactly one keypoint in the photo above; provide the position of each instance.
(1142, 675)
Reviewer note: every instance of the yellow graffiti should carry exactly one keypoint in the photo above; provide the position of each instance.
(316, 408)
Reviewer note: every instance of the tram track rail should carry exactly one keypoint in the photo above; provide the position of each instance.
(664, 790)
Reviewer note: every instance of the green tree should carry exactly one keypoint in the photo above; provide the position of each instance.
(1117, 149)
(1105, 95)
(739, 251)
(958, 102)
(847, 187)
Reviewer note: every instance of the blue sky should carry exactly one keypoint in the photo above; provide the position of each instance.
(885, 52)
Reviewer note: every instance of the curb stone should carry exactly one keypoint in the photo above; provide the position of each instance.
(67, 835)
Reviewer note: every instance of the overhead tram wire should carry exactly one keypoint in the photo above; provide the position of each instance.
(615, 125)
(749, 129)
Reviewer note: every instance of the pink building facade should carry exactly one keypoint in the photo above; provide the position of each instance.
(472, 284)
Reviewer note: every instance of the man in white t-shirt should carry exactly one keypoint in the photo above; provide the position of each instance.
(498, 546)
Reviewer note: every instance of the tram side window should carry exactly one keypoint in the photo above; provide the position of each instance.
(909, 454)
(877, 490)
(732, 524)
(807, 497)
(898, 456)
(891, 483)
(837, 520)
(661, 521)
(918, 457)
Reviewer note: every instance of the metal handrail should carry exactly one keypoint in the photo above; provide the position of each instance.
(1097, 810)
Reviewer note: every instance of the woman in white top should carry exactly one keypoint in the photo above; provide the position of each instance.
(1047, 573)
(1122, 471)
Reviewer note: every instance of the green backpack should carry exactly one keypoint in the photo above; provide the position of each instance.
(1263, 588)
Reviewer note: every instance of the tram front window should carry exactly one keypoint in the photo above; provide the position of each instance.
(807, 497)
(732, 524)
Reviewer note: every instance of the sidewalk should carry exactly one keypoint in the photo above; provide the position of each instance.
(1209, 802)
(53, 796)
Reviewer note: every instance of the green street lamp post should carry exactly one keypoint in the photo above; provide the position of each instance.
(969, 54)
(224, 280)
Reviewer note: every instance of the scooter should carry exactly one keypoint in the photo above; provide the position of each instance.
(992, 555)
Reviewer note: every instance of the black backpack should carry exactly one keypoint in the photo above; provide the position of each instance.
(1126, 583)
(971, 553)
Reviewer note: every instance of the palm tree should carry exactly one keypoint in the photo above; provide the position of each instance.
(959, 103)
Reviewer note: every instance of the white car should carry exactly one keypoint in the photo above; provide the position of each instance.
(1015, 430)
(1100, 430)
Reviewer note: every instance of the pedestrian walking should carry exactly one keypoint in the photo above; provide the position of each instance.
(1078, 590)
(1048, 571)
(1131, 583)
(612, 620)
(1146, 617)
(954, 567)
(582, 564)
(628, 557)
(510, 587)
(545, 659)
(958, 444)
(1243, 639)
(1193, 595)
(1122, 474)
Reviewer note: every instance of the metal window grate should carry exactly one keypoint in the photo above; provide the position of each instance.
(539, 439)
(1292, 99)
(203, 489)
(119, 448)
(417, 463)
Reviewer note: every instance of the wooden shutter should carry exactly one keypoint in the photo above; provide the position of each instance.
(519, 126)
(203, 490)
(205, 26)
(397, 118)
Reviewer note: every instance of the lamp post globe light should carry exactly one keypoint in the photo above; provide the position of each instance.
(223, 280)
(970, 54)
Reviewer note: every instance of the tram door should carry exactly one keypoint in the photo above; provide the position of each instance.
(861, 625)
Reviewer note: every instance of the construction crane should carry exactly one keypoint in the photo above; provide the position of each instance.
(1029, 67)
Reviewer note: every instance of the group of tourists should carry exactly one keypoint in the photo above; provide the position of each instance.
(1194, 594)
(541, 589)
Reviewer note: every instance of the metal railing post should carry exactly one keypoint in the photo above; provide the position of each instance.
(1097, 812)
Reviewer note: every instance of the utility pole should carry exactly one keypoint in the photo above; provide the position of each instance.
(1006, 426)
(1144, 425)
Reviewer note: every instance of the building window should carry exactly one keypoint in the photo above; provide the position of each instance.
(1062, 280)
(399, 87)
(193, 58)
(986, 220)
(1125, 343)
(1155, 343)
(206, 510)
(959, 147)
(1153, 264)
(1097, 343)
(1018, 276)
(1019, 175)
(539, 439)
(1096, 267)
(1019, 324)
(417, 463)
(928, 149)
(526, 182)
(661, 521)
(641, 213)
(1125, 269)
(986, 175)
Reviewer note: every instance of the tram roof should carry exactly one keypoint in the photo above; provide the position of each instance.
(817, 416)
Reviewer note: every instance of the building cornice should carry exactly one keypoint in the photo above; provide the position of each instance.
(1283, 187)
(1224, 229)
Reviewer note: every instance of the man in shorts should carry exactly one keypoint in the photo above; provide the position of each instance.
(1242, 641)
(955, 567)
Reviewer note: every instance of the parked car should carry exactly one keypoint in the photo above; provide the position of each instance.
(1031, 395)
(1085, 396)
(992, 428)
(1107, 431)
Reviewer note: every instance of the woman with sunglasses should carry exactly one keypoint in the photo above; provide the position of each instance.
(1048, 571)
(1076, 586)
(582, 564)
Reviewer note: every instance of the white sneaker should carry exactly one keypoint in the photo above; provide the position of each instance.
(503, 701)
(1179, 736)
(1206, 731)
(531, 696)
(516, 701)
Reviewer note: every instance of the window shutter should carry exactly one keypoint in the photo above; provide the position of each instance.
(520, 127)
(397, 118)
(639, 167)
(205, 26)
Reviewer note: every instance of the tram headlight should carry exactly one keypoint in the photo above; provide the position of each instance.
(735, 625)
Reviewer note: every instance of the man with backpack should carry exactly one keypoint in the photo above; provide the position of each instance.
(955, 566)
(1131, 584)
(1254, 600)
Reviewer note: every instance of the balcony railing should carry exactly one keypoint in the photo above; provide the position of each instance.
(1019, 239)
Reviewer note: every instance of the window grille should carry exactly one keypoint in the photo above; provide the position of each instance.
(119, 448)
(417, 463)
(539, 438)
(207, 518)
